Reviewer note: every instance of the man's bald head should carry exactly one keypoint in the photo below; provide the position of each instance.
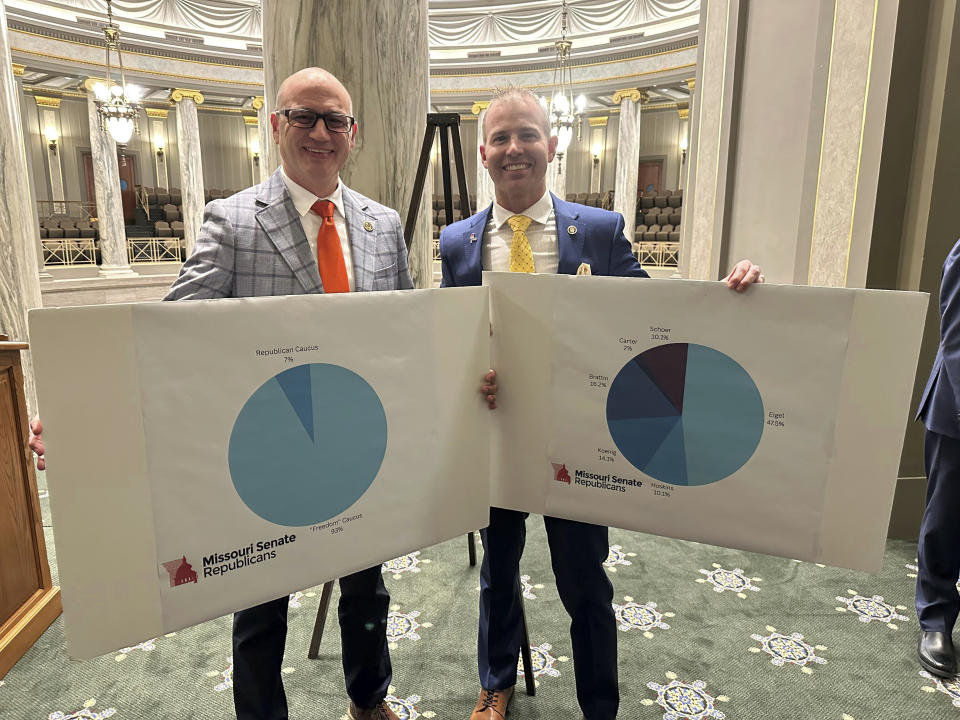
(313, 156)
(310, 78)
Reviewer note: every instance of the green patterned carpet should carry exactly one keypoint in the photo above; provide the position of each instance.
(716, 632)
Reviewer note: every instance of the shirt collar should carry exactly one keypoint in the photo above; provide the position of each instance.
(303, 199)
(539, 212)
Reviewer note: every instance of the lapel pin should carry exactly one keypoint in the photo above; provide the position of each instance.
(572, 229)
(473, 237)
(368, 226)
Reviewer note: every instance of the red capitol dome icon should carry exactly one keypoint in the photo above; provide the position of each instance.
(560, 473)
(180, 572)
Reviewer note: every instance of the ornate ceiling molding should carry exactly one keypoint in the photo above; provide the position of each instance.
(224, 17)
(450, 25)
(50, 102)
(540, 21)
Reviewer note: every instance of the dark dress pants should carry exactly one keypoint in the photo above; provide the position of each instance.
(577, 552)
(938, 552)
(259, 634)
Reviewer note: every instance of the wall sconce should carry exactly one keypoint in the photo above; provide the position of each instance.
(52, 136)
(255, 149)
(159, 143)
(683, 150)
(596, 150)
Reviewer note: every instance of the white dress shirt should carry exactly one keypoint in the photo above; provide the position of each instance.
(542, 234)
(303, 200)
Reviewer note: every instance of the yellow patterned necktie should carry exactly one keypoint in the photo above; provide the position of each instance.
(521, 256)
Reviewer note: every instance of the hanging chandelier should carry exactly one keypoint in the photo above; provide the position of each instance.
(117, 105)
(563, 109)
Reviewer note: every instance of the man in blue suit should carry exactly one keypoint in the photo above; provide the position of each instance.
(529, 230)
(938, 552)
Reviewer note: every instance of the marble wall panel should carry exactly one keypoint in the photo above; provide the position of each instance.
(771, 210)
(171, 154)
(226, 158)
(557, 177)
(660, 138)
(75, 142)
(269, 158)
(160, 166)
(705, 198)
(34, 148)
(72, 293)
(482, 182)
(608, 164)
(48, 118)
(19, 270)
(842, 172)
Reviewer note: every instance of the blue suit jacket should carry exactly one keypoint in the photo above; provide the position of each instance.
(584, 234)
(940, 403)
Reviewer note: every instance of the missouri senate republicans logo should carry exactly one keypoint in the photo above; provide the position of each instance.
(560, 473)
(180, 572)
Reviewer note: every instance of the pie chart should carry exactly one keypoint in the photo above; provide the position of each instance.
(307, 444)
(685, 414)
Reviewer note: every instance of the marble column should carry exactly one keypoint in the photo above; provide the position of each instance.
(114, 260)
(485, 192)
(19, 270)
(269, 158)
(378, 49)
(628, 156)
(191, 167)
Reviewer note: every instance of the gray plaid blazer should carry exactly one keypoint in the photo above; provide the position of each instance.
(253, 244)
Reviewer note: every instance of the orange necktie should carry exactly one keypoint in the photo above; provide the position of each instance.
(333, 270)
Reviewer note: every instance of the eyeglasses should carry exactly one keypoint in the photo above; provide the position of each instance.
(307, 118)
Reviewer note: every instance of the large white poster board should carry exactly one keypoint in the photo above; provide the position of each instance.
(206, 456)
(770, 421)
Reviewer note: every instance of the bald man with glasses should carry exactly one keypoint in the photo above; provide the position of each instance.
(301, 231)
(304, 231)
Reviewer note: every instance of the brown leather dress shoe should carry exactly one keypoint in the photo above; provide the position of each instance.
(492, 704)
(380, 711)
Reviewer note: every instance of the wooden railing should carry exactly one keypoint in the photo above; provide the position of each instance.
(658, 254)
